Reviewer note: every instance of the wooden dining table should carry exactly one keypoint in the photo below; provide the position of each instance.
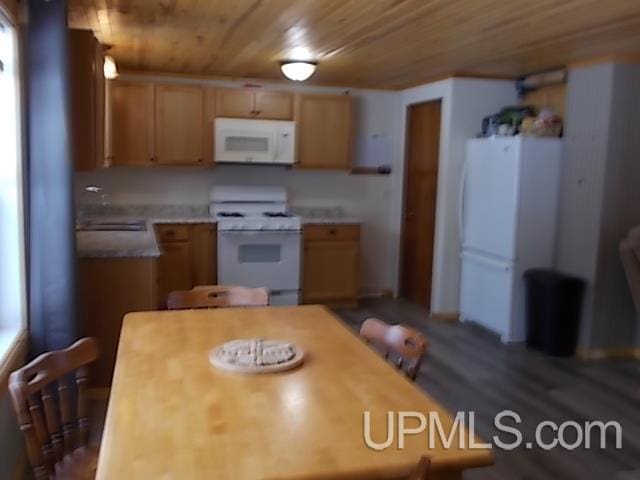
(172, 415)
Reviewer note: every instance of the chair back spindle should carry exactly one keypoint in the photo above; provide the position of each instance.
(42, 401)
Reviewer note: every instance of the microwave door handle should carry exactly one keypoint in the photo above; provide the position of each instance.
(276, 143)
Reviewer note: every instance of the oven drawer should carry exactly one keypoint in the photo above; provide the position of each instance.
(172, 233)
(331, 232)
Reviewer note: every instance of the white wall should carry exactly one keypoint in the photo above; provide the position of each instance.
(464, 103)
(599, 197)
(368, 197)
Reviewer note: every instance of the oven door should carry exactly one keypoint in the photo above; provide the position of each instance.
(260, 259)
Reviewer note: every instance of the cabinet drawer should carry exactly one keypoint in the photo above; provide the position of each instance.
(171, 233)
(331, 232)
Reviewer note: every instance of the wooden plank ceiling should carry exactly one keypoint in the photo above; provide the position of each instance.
(374, 43)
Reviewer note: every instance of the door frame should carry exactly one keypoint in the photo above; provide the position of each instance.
(405, 182)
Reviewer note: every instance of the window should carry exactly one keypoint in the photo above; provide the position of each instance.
(12, 264)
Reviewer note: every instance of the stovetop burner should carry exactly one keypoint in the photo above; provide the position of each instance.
(277, 214)
(231, 214)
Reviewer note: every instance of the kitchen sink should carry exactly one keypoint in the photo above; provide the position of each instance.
(137, 225)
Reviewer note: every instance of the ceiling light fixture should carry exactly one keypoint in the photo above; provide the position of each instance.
(110, 69)
(298, 70)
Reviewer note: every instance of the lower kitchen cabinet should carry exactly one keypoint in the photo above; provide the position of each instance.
(188, 257)
(204, 254)
(331, 264)
(174, 269)
(110, 288)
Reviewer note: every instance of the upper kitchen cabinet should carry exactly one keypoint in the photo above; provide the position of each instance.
(324, 131)
(132, 124)
(87, 99)
(273, 105)
(180, 121)
(262, 104)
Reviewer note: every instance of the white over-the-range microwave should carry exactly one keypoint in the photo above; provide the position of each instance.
(254, 141)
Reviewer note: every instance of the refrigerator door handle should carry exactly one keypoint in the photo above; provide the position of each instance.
(463, 181)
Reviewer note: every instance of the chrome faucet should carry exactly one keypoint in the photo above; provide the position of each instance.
(97, 189)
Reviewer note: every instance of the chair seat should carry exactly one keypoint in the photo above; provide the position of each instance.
(80, 465)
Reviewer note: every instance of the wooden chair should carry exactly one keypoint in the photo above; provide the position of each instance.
(423, 472)
(56, 433)
(217, 296)
(406, 345)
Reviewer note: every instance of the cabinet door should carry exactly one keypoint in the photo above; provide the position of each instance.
(174, 269)
(330, 271)
(132, 125)
(84, 114)
(204, 254)
(274, 105)
(235, 103)
(99, 98)
(324, 131)
(108, 289)
(179, 125)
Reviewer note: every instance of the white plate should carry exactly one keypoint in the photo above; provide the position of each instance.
(218, 360)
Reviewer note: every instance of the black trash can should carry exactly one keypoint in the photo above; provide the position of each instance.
(553, 309)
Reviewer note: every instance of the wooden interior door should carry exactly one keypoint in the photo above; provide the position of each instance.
(421, 186)
(180, 125)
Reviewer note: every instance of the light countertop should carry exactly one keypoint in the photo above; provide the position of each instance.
(117, 244)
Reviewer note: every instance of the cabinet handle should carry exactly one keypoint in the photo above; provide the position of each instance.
(170, 233)
(153, 159)
(257, 112)
(332, 231)
(200, 160)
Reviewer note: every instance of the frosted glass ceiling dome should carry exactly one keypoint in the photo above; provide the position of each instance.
(298, 70)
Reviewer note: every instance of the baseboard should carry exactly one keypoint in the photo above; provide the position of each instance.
(385, 293)
(608, 353)
(445, 316)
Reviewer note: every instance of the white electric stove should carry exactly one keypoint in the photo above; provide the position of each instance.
(258, 240)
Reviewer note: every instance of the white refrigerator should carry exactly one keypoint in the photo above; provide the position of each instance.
(508, 211)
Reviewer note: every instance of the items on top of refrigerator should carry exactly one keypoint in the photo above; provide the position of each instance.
(546, 124)
(506, 121)
(522, 119)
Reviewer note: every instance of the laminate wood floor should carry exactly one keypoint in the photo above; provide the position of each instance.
(468, 369)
